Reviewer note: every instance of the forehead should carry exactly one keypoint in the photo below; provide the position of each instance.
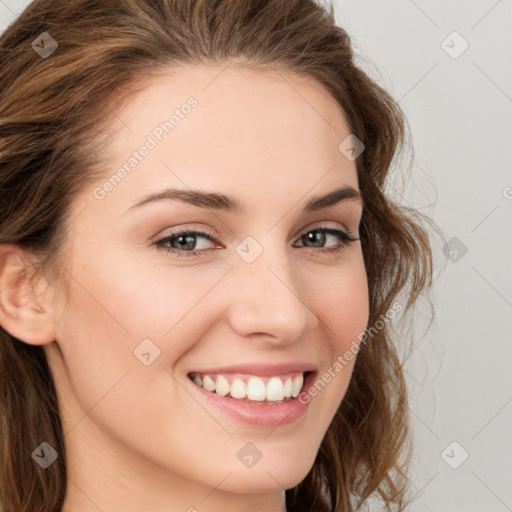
(230, 128)
(235, 85)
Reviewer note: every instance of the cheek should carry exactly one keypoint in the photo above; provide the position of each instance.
(342, 303)
(127, 302)
(110, 310)
(343, 306)
(113, 307)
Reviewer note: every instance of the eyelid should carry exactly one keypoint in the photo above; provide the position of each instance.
(206, 231)
(215, 235)
(345, 238)
(322, 225)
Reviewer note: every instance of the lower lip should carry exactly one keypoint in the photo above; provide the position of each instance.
(260, 415)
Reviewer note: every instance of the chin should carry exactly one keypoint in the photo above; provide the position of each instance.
(274, 476)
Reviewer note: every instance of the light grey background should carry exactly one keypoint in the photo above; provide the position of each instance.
(460, 112)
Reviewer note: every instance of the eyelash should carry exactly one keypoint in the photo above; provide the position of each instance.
(345, 238)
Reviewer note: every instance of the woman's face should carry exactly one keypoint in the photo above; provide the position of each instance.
(251, 300)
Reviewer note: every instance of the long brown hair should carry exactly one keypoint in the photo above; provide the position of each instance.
(54, 115)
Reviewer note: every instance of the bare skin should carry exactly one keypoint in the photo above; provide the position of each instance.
(139, 437)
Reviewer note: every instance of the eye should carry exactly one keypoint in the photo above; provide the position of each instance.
(182, 241)
(186, 243)
(319, 235)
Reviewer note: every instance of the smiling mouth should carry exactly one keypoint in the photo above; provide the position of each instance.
(253, 389)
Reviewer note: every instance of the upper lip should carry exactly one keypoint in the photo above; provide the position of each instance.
(262, 369)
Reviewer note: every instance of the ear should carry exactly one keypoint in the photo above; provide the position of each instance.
(25, 305)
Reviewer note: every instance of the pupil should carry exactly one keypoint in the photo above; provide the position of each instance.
(186, 239)
(315, 237)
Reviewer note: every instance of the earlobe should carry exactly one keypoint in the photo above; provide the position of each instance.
(24, 313)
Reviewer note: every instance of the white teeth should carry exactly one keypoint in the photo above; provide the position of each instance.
(298, 381)
(275, 389)
(238, 389)
(221, 386)
(256, 389)
(208, 383)
(274, 392)
(287, 388)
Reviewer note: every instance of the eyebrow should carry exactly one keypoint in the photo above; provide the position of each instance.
(229, 204)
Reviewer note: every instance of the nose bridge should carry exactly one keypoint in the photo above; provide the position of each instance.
(267, 298)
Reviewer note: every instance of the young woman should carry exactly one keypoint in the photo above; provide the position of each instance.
(199, 268)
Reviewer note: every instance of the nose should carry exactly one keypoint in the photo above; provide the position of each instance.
(268, 300)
